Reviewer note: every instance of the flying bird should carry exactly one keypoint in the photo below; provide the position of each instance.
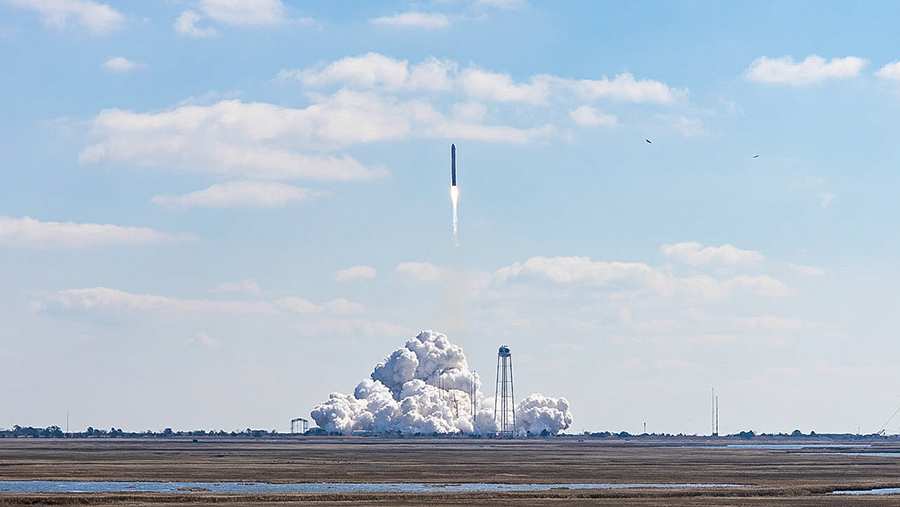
(648, 141)
(756, 156)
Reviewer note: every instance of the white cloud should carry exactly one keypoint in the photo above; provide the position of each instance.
(413, 20)
(374, 70)
(355, 273)
(240, 13)
(121, 64)
(695, 254)
(711, 289)
(244, 12)
(817, 185)
(731, 107)
(814, 69)
(351, 326)
(805, 270)
(503, 4)
(568, 270)
(239, 194)
(498, 87)
(260, 140)
(587, 116)
(236, 138)
(469, 111)
(624, 87)
(762, 322)
(97, 18)
(186, 25)
(205, 340)
(689, 127)
(890, 71)
(118, 301)
(28, 232)
(335, 306)
(418, 271)
(249, 285)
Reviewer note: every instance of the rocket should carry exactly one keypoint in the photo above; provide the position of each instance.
(452, 164)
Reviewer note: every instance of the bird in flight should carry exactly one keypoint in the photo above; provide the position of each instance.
(648, 141)
(756, 156)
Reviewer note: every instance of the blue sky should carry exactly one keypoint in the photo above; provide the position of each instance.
(214, 213)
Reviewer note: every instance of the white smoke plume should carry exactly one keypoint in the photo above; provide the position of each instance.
(426, 387)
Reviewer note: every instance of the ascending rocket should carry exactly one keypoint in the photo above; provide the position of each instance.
(452, 164)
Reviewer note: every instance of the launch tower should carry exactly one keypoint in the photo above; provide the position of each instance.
(504, 395)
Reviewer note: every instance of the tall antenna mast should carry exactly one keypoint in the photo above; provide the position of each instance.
(712, 413)
(717, 416)
(472, 397)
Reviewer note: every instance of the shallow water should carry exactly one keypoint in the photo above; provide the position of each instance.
(879, 491)
(320, 487)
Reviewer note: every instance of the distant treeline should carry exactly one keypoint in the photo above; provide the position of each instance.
(56, 432)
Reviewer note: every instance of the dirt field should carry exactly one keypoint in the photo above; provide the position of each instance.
(772, 477)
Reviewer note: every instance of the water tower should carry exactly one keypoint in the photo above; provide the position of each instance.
(504, 395)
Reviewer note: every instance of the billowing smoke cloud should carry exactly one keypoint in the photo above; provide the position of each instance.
(426, 387)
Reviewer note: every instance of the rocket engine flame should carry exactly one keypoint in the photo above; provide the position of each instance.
(454, 198)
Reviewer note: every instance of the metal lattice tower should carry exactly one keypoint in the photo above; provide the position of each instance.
(504, 395)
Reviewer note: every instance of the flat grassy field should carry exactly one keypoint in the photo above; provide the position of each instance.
(773, 477)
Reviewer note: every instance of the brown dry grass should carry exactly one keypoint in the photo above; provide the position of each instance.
(774, 477)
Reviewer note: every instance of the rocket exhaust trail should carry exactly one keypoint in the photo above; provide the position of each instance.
(454, 198)
(454, 194)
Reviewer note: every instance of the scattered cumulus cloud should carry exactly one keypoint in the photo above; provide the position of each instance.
(335, 306)
(817, 186)
(469, 111)
(96, 18)
(689, 127)
(503, 4)
(249, 285)
(624, 88)
(413, 20)
(239, 194)
(244, 12)
(635, 275)
(186, 25)
(204, 339)
(890, 72)
(814, 69)
(731, 107)
(355, 273)
(264, 141)
(587, 116)
(374, 70)
(805, 270)
(695, 254)
(252, 140)
(31, 233)
(117, 301)
(418, 271)
(497, 87)
(121, 64)
(238, 13)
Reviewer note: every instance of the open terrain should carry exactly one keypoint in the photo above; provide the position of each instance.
(796, 477)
